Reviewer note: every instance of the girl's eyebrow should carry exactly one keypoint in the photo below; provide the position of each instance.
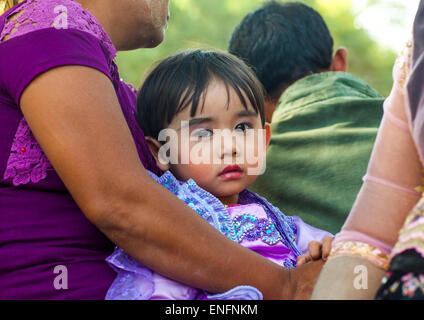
(247, 113)
(194, 121)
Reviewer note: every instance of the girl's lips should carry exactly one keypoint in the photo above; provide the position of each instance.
(231, 172)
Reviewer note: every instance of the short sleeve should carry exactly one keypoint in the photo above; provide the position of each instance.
(25, 57)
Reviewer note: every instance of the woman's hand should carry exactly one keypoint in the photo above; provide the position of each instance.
(316, 251)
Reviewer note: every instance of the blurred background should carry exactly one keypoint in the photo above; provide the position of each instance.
(374, 32)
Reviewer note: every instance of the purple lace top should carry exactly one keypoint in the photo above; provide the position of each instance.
(254, 224)
(41, 225)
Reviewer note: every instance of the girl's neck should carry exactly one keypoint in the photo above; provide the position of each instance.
(227, 200)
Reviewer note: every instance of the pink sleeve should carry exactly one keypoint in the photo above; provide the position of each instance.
(394, 171)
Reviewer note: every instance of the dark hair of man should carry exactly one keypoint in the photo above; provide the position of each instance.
(182, 80)
(283, 42)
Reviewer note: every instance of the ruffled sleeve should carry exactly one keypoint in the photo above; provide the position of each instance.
(137, 282)
(306, 233)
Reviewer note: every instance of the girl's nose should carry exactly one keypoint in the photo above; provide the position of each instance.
(229, 147)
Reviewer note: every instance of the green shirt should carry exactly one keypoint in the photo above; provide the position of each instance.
(323, 132)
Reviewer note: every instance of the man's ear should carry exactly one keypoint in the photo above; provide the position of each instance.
(339, 62)
(270, 106)
(267, 128)
(154, 147)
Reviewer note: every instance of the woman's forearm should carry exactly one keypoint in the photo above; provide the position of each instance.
(163, 233)
(348, 278)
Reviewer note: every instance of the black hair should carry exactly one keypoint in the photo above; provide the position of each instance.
(283, 42)
(182, 79)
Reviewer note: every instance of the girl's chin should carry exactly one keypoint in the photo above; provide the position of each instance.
(228, 191)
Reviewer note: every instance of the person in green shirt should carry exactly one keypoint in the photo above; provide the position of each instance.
(324, 120)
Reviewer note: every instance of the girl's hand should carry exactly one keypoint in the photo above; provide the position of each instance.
(317, 251)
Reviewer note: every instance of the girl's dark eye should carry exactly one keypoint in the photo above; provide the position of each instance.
(202, 133)
(242, 127)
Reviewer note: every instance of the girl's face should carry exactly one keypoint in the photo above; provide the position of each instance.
(222, 148)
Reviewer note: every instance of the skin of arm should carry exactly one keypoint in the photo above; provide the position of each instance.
(74, 114)
(348, 278)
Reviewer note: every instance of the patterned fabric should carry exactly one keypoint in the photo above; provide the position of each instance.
(285, 225)
(41, 14)
(27, 162)
(251, 228)
(405, 279)
(400, 286)
(411, 236)
(360, 249)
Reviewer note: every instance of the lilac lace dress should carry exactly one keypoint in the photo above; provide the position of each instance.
(41, 225)
(254, 223)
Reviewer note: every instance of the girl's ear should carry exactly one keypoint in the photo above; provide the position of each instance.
(154, 147)
(267, 128)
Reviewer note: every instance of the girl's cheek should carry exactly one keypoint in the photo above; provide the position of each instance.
(198, 172)
(255, 156)
(201, 152)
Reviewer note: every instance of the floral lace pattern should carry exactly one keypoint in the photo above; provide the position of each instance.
(27, 162)
(35, 15)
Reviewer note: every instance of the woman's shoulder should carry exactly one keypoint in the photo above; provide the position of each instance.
(34, 15)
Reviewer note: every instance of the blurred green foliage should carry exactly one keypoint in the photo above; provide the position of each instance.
(209, 23)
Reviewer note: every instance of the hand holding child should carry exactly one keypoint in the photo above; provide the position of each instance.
(316, 251)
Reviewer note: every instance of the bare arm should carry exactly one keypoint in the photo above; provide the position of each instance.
(348, 278)
(74, 113)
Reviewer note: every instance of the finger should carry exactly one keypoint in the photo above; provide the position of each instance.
(314, 248)
(326, 247)
(303, 259)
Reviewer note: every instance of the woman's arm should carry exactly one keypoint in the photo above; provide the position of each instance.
(348, 278)
(74, 114)
(381, 207)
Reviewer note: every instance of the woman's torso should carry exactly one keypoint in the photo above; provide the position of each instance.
(41, 226)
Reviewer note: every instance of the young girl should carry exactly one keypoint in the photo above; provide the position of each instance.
(213, 148)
